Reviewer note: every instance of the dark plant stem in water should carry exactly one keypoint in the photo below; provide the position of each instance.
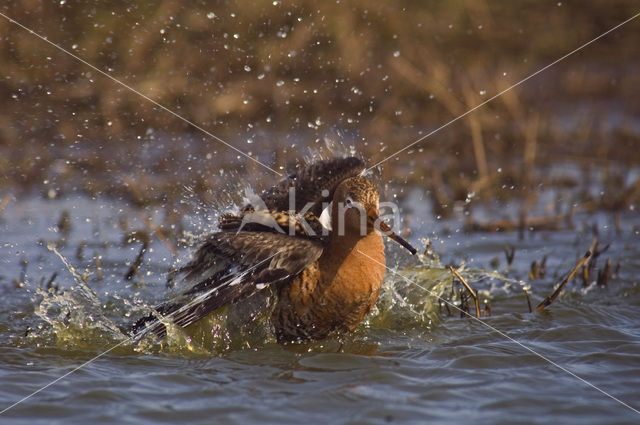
(551, 298)
(473, 293)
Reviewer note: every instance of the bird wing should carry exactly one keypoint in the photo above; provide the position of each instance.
(227, 268)
(309, 183)
(313, 187)
(286, 222)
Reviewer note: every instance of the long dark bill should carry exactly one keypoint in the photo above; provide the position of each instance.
(387, 231)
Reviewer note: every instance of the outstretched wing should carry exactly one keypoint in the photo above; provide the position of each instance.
(293, 224)
(312, 185)
(227, 268)
(310, 182)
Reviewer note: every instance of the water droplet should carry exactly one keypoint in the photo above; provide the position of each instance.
(247, 68)
(396, 53)
(280, 83)
(211, 15)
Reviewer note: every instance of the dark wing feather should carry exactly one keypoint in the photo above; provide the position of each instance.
(284, 222)
(310, 181)
(227, 268)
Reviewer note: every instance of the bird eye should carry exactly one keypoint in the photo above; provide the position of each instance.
(349, 201)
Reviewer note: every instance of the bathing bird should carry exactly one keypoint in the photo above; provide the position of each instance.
(326, 277)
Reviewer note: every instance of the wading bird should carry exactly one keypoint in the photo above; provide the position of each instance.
(325, 280)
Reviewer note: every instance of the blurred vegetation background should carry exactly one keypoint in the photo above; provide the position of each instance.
(276, 78)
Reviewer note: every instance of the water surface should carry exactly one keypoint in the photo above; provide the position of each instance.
(411, 362)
